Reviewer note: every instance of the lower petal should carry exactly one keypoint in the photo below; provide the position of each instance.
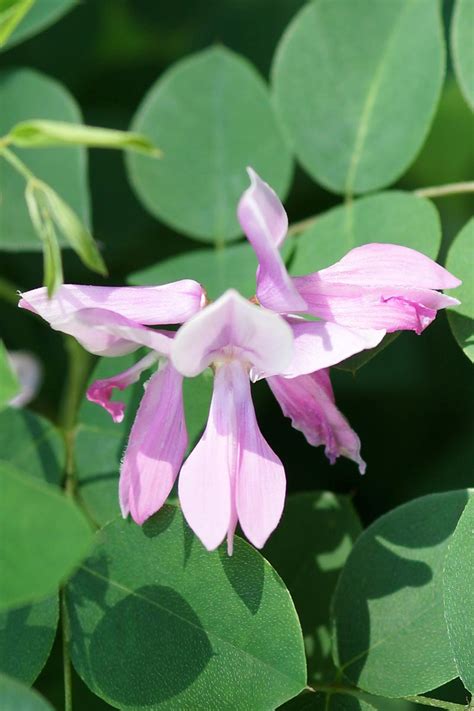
(156, 446)
(308, 401)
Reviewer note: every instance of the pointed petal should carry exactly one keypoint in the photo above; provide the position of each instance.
(156, 446)
(100, 391)
(233, 327)
(205, 483)
(165, 304)
(263, 219)
(309, 401)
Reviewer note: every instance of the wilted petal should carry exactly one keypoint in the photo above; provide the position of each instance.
(264, 221)
(233, 327)
(100, 391)
(152, 305)
(156, 446)
(309, 402)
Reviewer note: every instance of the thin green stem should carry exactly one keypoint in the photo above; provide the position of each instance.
(67, 671)
(16, 163)
(358, 693)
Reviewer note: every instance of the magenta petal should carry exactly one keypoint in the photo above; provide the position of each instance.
(264, 221)
(156, 447)
(309, 402)
(152, 305)
(100, 391)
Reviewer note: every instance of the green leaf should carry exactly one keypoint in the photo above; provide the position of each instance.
(42, 14)
(459, 262)
(11, 14)
(26, 637)
(212, 116)
(458, 578)
(50, 536)
(16, 697)
(308, 549)
(462, 47)
(32, 445)
(390, 633)
(216, 269)
(44, 226)
(57, 133)
(194, 629)
(96, 432)
(9, 385)
(322, 701)
(357, 85)
(24, 94)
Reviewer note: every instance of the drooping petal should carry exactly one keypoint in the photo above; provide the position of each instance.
(156, 446)
(149, 305)
(107, 333)
(233, 327)
(320, 344)
(263, 219)
(308, 401)
(100, 391)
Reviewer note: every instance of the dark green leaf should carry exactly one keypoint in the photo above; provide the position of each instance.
(458, 580)
(16, 697)
(357, 84)
(460, 262)
(42, 14)
(9, 385)
(212, 117)
(390, 633)
(193, 629)
(462, 47)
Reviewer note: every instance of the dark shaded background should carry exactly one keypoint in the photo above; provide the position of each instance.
(412, 405)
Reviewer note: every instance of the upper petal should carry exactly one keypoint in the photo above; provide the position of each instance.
(165, 304)
(233, 326)
(263, 219)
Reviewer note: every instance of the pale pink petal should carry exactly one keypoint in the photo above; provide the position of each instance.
(156, 446)
(206, 481)
(264, 221)
(232, 327)
(108, 333)
(320, 344)
(309, 402)
(100, 391)
(389, 265)
(29, 372)
(152, 305)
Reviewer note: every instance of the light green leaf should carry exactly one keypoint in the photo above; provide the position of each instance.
(32, 134)
(462, 47)
(44, 226)
(356, 85)
(194, 629)
(96, 432)
(50, 537)
(25, 94)
(212, 116)
(11, 14)
(9, 385)
(216, 269)
(390, 633)
(42, 14)
(458, 578)
(26, 637)
(308, 549)
(460, 263)
(16, 697)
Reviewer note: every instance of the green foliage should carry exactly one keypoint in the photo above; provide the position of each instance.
(198, 618)
(9, 385)
(460, 262)
(357, 110)
(458, 579)
(11, 14)
(39, 15)
(390, 632)
(462, 47)
(212, 116)
(16, 697)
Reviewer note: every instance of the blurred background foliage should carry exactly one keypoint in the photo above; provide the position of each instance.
(411, 405)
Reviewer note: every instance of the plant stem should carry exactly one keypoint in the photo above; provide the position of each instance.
(16, 163)
(358, 693)
(67, 672)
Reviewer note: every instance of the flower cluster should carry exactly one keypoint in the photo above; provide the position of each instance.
(232, 475)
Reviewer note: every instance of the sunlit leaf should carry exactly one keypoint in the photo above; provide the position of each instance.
(16, 697)
(460, 262)
(462, 47)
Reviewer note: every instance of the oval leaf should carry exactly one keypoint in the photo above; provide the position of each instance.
(16, 697)
(39, 16)
(212, 117)
(146, 591)
(26, 94)
(390, 633)
(9, 385)
(459, 262)
(458, 581)
(358, 111)
(462, 47)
